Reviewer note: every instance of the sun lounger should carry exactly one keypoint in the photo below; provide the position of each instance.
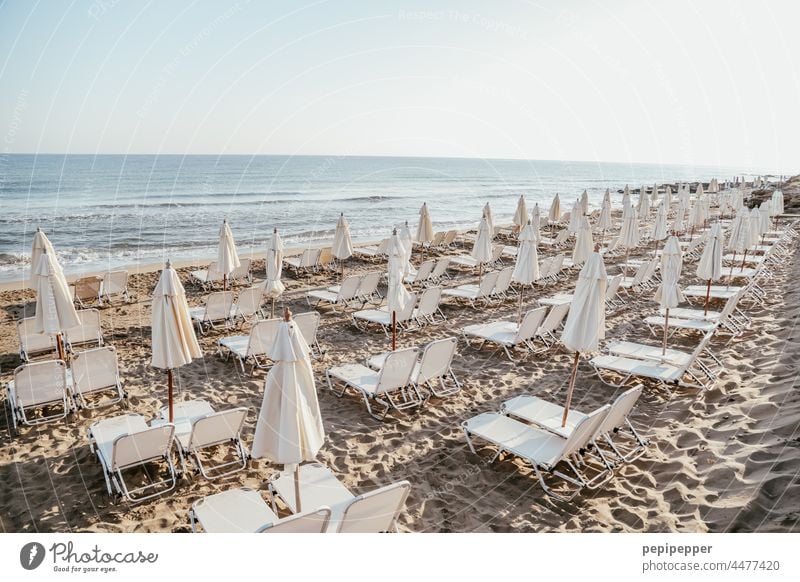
(507, 334)
(217, 310)
(88, 332)
(248, 306)
(198, 427)
(391, 387)
(126, 442)
(551, 324)
(255, 347)
(305, 262)
(308, 324)
(542, 450)
(96, 372)
(383, 318)
(39, 387)
(373, 251)
(244, 511)
(475, 293)
(207, 277)
(706, 362)
(368, 288)
(336, 296)
(326, 260)
(115, 283)
(31, 342)
(433, 368)
(425, 313)
(697, 320)
(242, 273)
(423, 274)
(373, 512)
(86, 291)
(440, 270)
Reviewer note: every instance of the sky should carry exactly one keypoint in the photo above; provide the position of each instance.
(711, 82)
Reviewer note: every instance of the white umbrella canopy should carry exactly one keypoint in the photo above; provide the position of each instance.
(644, 205)
(697, 217)
(396, 294)
(604, 220)
(777, 202)
(699, 192)
(584, 245)
(654, 194)
(482, 247)
(526, 268)
(585, 203)
(660, 226)
(626, 199)
(555, 209)
(289, 429)
(40, 245)
(677, 222)
(521, 215)
(536, 221)
(739, 233)
(425, 226)
(766, 213)
(668, 198)
(626, 193)
(487, 214)
(173, 341)
(408, 245)
(669, 294)
(227, 257)
(575, 217)
(607, 196)
(755, 226)
(710, 265)
(629, 231)
(342, 247)
(273, 287)
(55, 311)
(586, 321)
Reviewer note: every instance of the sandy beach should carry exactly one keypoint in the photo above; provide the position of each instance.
(724, 460)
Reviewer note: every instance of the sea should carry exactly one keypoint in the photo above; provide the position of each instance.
(110, 211)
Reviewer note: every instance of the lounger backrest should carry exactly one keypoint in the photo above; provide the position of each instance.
(349, 287)
(376, 511)
(440, 268)
(620, 409)
(87, 288)
(450, 237)
(40, 382)
(138, 447)
(530, 324)
(115, 282)
(497, 253)
(214, 273)
(262, 336)
(31, 341)
(396, 370)
(429, 301)
(307, 323)
(325, 257)
(558, 264)
(585, 430)
(488, 283)
(249, 301)
(730, 305)
(311, 522)
(408, 309)
(243, 270)
(613, 286)
(95, 369)
(88, 331)
(562, 236)
(545, 267)
(436, 359)
(309, 258)
(218, 427)
(504, 280)
(437, 239)
(218, 306)
(424, 271)
(554, 318)
(369, 283)
(651, 270)
(640, 272)
(383, 246)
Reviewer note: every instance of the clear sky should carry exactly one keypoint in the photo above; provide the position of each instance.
(705, 82)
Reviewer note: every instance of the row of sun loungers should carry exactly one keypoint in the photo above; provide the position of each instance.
(354, 288)
(33, 344)
(211, 275)
(112, 285)
(422, 312)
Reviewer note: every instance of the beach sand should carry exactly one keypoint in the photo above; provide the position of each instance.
(723, 460)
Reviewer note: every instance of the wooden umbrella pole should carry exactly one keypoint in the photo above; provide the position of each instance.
(733, 263)
(394, 330)
(169, 393)
(297, 501)
(60, 347)
(272, 310)
(744, 258)
(625, 266)
(708, 296)
(570, 389)
(224, 282)
(519, 316)
(666, 327)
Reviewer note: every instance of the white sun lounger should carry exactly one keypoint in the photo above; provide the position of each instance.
(31, 342)
(428, 308)
(243, 273)
(507, 334)
(248, 306)
(695, 320)
(207, 277)
(96, 372)
(88, 332)
(391, 387)
(254, 347)
(115, 283)
(305, 262)
(308, 324)
(382, 318)
(198, 427)
(542, 450)
(433, 368)
(368, 288)
(373, 512)
(340, 295)
(422, 275)
(373, 251)
(244, 511)
(217, 309)
(440, 270)
(707, 363)
(125, 442)
(39, 386)
(475, 293)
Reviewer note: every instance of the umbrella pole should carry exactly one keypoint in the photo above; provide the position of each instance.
(480, 273)
(169, 392)
(394, 330)
(60, 347)
(708, 296)
(297, 487)
(272, 311)
(519, 316)
(224, 282)
(733, 262)
(625, 266)
(569, 390)
(744, 258)
(666, 327)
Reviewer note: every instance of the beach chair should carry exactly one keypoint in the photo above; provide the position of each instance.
(559, 240)
(244, 511)
(706, 362)
(507, 334)
(95, 372)
(391, 387)
(545, 268)
(368, 288)
(632, 283)
(86, 291)
(218, 309)
(254, 348)
(475, 293)
(542, 450)
(428, 308)
(664, 372)
(502, 288)
(548, 416)
(613, 299)
(31, 342)
(326, 260)
(198, 428)
(449, 240)
(383, 318)
(695, 320)
(437, 240)
(422, 275)
(126, 442)
(373, 251)
(373, 512)
(551, 324)
(115, 284)
(39, 393)
(248, 306)
(340, 295)
(242, 273)
(440, 270)
(556, 267)
(433, 369)
(207, 277)
(308, 324)
(88, 332)
(304, 263)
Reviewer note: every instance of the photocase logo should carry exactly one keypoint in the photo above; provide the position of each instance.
(31, 555)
